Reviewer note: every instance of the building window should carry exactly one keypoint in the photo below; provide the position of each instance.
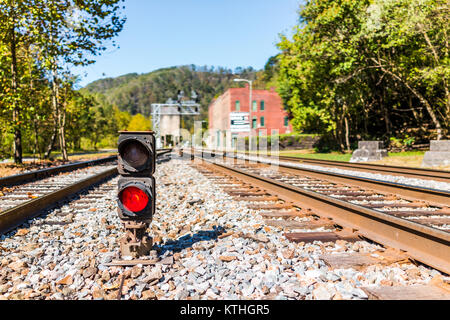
(254, 121)
(286, 121)
(238, 105)
(254, 106)
(262, 121)
(261, 104)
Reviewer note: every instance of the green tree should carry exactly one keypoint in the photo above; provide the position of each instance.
(316, 68)
(139, 123)
(121, 119)
(367, 68)
(410, 45)
(13, 30)
(72, 33)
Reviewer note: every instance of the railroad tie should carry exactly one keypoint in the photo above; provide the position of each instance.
(358, 260)
(256, 199)
(309, 237)
(293, 224)
(290, 213)
(270, 206)
(415, 292)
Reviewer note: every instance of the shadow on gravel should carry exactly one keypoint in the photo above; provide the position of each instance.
(188, 240)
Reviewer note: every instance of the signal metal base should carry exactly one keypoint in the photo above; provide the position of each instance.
(135, 242)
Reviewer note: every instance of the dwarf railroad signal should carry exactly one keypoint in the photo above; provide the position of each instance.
(136, 189)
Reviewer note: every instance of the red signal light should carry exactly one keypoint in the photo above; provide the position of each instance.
(134, 199)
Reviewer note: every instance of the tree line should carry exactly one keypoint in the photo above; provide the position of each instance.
(40, 40)
(363, 69)
(352, 70)
(134, 93)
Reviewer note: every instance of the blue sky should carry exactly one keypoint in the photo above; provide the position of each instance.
(165, 33)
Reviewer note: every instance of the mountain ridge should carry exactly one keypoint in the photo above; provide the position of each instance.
(135, 92)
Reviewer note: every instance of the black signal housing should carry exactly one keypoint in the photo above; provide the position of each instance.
(136, 153)
(136, 166)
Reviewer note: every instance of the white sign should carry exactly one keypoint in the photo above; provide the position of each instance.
(239, 122)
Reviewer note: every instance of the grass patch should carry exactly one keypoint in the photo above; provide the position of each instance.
(91, 156)
(311, 154)
(406, 153)
(400, 159)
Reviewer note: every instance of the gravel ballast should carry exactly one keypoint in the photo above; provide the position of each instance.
(208, 246)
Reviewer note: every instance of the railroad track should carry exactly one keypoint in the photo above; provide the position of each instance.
(421, 173)
(415, 220)
(409, 172)
(208, 244)
(21, 201)
(43, 173)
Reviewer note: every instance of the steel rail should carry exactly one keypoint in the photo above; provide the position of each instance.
(413, 193)
(408, 192)
(160, 152)
(425, 244)
(419, 173)
(13, 217)
(43, 173)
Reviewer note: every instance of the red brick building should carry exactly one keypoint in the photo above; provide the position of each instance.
(230, 116)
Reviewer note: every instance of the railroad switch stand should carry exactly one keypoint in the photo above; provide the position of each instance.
(135, 242)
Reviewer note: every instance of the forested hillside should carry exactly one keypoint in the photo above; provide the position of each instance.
(135, 93)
